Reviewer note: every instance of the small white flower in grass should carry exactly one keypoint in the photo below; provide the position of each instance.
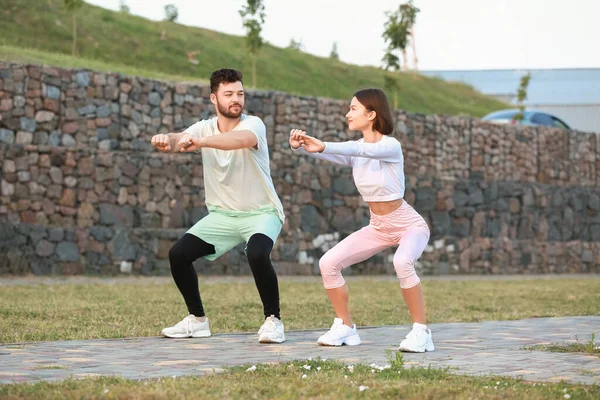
(372, 371)
(324, 359)
(373, 365)
(362, 388)
(567, 396)
(252, 368)
(306, 367)
(105, 391)
(497, 383)
(565, 390)
(486, 387)
(318, 368)
(345, 376)
(351, 368)
(304, 376)
(309, 358)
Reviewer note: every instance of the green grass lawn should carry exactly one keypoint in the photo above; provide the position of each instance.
(40, 32)
(308, 379)
(56, 311)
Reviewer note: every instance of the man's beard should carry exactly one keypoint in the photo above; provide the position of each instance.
(226, 112)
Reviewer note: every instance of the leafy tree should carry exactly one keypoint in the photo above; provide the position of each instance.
(72, 6)
(253, 17)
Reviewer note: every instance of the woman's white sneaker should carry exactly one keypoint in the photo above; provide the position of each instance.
(188, 327)
(417, 341)
(271, 331)
(340, 334)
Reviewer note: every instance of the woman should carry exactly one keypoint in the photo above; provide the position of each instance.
(378, 169)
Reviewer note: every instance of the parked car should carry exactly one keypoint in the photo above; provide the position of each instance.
(530, 117)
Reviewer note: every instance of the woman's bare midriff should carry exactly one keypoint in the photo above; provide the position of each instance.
(385, 207)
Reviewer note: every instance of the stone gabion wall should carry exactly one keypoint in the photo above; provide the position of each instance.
(84, 192)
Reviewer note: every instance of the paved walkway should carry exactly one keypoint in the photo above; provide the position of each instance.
(469, 348)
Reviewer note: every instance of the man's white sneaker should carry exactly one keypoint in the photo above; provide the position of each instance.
(417, 341)
(340, 334)
(188, 327)
(271, 331)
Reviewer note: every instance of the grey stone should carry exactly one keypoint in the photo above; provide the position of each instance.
(137, 117)
(82, 78)
(68, 140)
(23, 176)
(309, 218)
(594, 202)
(425, 199)
(67, 251)
(587, 256)
(44, 248)
(101, 233)
(7, 136)
(344, 186)
(56, 234)
(102, 134)
(441, 224)
(87, 110)
(525, 259)
(19, 101)
(154, 99)
(37, 233)
(7, 189)
(557, 200)
(28, 124)
(595, 233)
(492, 227)
(40, 137)
(104, 111)
(461, 227)
(54, 139)
(121, 246)
(86, 183)
(460, 198)
(155, 113)
(476, 197)
(112, 214)
(52, 92)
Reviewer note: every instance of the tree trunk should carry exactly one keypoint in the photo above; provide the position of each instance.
(253, 71)
(414, 48)
(74, 45)
(404, 60)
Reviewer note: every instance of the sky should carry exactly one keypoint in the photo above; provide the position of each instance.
(449, 34)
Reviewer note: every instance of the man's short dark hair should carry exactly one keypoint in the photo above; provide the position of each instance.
(224, 76)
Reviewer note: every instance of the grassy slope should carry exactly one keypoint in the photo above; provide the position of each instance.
(40, 32)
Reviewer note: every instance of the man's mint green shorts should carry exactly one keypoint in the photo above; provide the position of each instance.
(225, 229)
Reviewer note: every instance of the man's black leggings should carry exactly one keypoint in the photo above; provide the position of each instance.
(258, 249)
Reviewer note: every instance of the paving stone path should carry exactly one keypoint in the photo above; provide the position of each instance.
(493, 347)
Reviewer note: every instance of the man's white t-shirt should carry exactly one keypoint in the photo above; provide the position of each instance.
(238, 180)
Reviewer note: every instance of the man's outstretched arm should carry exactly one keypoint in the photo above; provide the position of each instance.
(232, 140)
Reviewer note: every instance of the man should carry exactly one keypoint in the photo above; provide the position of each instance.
(242, 203)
